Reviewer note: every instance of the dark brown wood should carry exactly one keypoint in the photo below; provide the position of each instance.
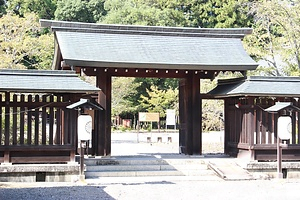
(7, 118)
(22, 120)
(103, 131)
(29, 121)
(44, 120)
(20, 144)
(1, 121)
(36, 121)
(151, 73)
(182, 116)
(51, 122)
(14, 122)
(196, 112)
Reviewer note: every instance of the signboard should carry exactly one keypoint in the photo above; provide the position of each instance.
(148, 117)
(284, 127)
(84, 127)
(170, 117)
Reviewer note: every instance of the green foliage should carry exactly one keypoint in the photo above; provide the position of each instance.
(160, 100)
(219, 14)
(43, 8)
(146, 12)
(2, 8)
(276, 37)
(122, 89)
(80, 10)
(22, 46)
(212, 115)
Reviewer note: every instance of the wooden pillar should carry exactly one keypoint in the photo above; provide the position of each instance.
(182, 116)
(196, 111)
(190, 114)
(103, 118)
(226, 124)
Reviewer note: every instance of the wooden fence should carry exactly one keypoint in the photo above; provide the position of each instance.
(37, 128)
(248, 127)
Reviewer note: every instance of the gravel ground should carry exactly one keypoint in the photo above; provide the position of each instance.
(250, 190)
(155, 187)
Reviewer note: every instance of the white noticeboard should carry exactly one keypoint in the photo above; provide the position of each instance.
(284, 127)
(84, 127)
(170, 117)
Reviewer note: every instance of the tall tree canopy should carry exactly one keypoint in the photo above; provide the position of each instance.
(43, 8)
(144, 12)
(22, 46)
(276, 37)
(80, 10)
(194, 13)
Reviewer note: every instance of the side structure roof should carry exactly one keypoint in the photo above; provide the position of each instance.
(99, 45)
(43, 81)
(258, 86)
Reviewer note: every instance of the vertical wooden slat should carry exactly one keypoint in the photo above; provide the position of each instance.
(270, 128)
(58, 126)
(58, 123)
(250, 122)
(36, 122)
(29, 120)
(14, 122)
(293, 128)
(238, 129)
(1, 119)
(258, 125)
(44, 120)
(22, 119)
(65, 134)
(7, 118)
(298, 124)
(264, 124)
(51, 121)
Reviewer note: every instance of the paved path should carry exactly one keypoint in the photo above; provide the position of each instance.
(149, 188)
(156, 188)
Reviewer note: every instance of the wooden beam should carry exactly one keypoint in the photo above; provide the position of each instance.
(151, 73)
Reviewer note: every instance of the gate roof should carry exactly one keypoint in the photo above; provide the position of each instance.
(43, 81)
(258, 86)
(99, 45)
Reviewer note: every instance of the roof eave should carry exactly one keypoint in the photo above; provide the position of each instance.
(233, 67)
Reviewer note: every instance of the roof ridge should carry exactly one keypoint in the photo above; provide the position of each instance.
(90, 26)
(135, 32)
(37, 72)
(274, 78)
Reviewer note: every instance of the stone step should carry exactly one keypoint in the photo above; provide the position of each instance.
(141, 161)
(89, 174)
(144, 167)
(136, 166)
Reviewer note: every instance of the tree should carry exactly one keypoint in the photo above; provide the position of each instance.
(216, 13)
(160, 100)
(22, 46)
(122, 87)
(80, 10)
(43, 8)
(2, 7)
(146, 12)
(276, 37)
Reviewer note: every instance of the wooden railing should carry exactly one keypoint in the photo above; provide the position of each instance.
(36, 128)
(249, 127)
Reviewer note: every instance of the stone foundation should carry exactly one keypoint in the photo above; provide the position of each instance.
(40, 173)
